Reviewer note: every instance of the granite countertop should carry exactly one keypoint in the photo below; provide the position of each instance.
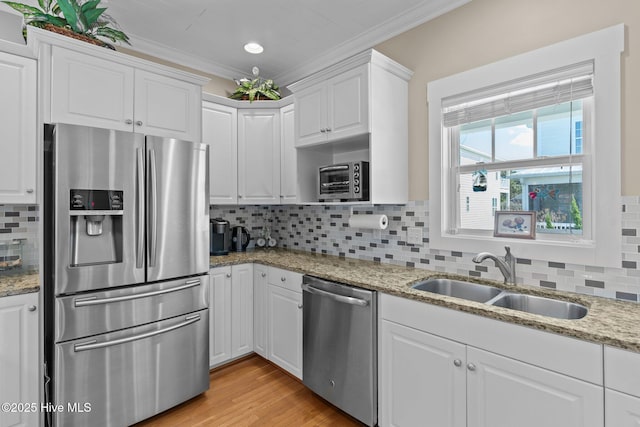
(19, 283)
(608, 322)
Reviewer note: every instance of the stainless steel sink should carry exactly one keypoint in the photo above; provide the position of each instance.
(458, 289)
(500, 298)
(541, 305)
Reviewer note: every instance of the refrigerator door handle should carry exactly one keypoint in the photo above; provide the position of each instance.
(93, 344)
(83, 302)
(140, 218)
(153, 207)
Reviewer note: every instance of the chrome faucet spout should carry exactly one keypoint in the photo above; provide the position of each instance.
(506, 265)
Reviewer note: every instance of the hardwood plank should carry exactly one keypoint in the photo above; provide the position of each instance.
(253, 392)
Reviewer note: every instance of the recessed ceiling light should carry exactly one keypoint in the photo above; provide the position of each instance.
(253, 47)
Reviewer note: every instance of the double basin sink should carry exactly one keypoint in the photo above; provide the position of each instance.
(506, 299)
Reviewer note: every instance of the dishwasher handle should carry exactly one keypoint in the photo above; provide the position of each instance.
(339, 298)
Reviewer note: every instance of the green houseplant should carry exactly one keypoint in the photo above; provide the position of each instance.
(256, 89)
(72, 17)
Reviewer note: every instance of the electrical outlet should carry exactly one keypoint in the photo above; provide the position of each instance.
(414, 236)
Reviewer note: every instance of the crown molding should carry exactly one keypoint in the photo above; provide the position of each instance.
(420, 14)
(176, 56)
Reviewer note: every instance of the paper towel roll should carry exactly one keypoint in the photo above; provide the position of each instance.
(375, 222)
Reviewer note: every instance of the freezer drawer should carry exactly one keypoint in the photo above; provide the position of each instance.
(120, 378)
(100, 312)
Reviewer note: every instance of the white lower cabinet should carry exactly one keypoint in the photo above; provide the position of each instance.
(284, 324)
(622, 410)
(230, 313)
(622, 392)
(443, 368)
(19, 373)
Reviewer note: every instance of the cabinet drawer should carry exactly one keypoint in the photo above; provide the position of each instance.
(285, 279)
(622, 370)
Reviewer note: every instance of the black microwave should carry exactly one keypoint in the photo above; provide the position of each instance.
(343, 182)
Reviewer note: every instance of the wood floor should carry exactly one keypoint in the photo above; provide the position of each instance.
(253, 392)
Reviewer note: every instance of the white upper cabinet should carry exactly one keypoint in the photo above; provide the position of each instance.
(259, 156)
(220, 132)
(288, 157)
(334, 109)
(356, 110)
(18, 123)
(92, 86)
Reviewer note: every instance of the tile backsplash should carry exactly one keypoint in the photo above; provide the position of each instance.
(18, 237)
(324, 229)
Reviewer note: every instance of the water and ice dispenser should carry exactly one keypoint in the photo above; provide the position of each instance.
(95, 226)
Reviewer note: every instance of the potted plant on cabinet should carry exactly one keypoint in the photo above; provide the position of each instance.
(74, 18)
(256, 88)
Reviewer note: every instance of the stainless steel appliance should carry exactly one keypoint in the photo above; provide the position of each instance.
(126, 221)
(220, 237)
(339, 356)
(240, 238)
(344, 182)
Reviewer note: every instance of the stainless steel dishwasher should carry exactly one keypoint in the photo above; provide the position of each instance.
(340, 346)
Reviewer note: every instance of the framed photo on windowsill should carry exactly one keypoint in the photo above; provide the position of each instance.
(517, 224)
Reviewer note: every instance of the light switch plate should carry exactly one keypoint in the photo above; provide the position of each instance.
(414, 235)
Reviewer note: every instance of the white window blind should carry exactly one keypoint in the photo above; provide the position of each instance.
(552, 87)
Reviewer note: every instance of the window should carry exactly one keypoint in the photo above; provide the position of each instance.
(549, 133)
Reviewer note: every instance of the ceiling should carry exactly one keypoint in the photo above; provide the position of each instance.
(299, 36)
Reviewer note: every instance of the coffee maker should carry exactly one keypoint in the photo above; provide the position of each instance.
(219, 236)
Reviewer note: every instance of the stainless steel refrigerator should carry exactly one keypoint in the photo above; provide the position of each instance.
(126, 221)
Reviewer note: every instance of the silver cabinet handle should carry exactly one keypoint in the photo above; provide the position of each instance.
(328, 129)
(471, 367)
(228, 275)
(32, 308)
(153, 207)
(264, 274)
(457, 363)
(83, 302)
(140, 209)
(128, 121)
(335, 297)
(29, 190)
(138, 123)
(282, 279)
(323, 130)
(299, 305)
(93, 344)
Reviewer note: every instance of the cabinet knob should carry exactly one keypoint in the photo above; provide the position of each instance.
(29, 190)
(328, 129)
(138, 123)
(239, 196)
(32, 308)
(128, 121)
(323, 130)
(282, 279)
(299, 305)
(471, 367)
(228, 274)
(457, 363)
(263, 274)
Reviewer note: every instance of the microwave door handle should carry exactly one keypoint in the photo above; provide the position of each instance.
(153, 207)
(334, 168)
(93, 344)
(140, 216)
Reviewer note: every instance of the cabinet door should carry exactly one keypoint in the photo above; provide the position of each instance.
(622, 410)
(285, 329)
(288, 158)
(219, 315)
(18, 123)
(503, 392)
(348, 113)
(311, 115)
(259, 157)
(167, 107)
(220, 132)
(19, 372)
(90, 91)
(260, 309)
(241, 309)
(422, 379)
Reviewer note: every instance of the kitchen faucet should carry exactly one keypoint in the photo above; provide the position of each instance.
(506, 265)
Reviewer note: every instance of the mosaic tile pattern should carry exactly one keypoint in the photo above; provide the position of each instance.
(324, 229)
(19, 236)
